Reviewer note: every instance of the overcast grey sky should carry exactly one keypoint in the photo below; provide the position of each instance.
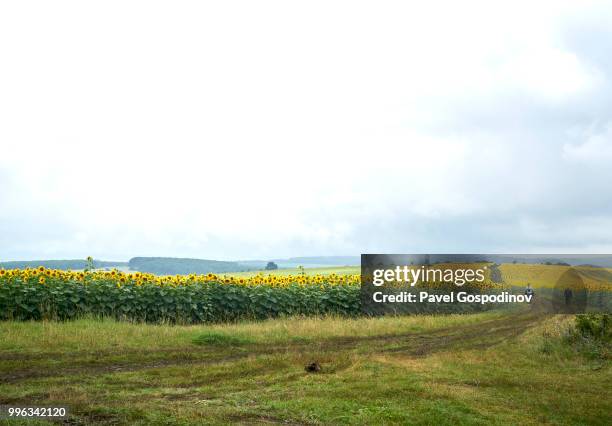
(242, 129)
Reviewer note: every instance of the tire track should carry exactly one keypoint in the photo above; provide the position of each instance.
(479, 335)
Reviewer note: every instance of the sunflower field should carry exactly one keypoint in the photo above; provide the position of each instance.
(35, 294)
(42, 293)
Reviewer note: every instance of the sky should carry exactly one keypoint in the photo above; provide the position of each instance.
(255, 130)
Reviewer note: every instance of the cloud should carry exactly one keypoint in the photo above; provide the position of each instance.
(597, 147)
(270, 129)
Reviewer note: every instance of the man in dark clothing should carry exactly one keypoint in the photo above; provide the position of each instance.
(529, 291)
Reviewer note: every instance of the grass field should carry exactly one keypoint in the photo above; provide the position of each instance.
(539, 276)
(284, 271)
(339, 270)
(488, 368)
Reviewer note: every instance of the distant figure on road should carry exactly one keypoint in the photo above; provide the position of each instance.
(568, 294)
(529, 291)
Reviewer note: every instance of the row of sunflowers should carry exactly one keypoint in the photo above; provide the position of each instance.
(42, 274)
(41, 293)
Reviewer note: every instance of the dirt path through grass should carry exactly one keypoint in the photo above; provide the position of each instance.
(464, 369)
(469, 336)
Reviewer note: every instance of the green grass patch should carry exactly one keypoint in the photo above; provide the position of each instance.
(215, 338)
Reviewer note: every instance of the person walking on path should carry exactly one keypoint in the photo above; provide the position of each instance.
(529, 292)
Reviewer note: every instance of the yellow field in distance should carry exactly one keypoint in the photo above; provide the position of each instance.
(338, 270)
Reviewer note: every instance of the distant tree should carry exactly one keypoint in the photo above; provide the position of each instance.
(271, 266)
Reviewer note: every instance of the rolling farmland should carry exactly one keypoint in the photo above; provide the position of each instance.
(119, 348)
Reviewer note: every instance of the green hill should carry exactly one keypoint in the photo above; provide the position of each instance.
(64, 264)
(174, 265)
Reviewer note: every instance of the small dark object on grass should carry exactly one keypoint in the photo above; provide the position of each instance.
(313, 367)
